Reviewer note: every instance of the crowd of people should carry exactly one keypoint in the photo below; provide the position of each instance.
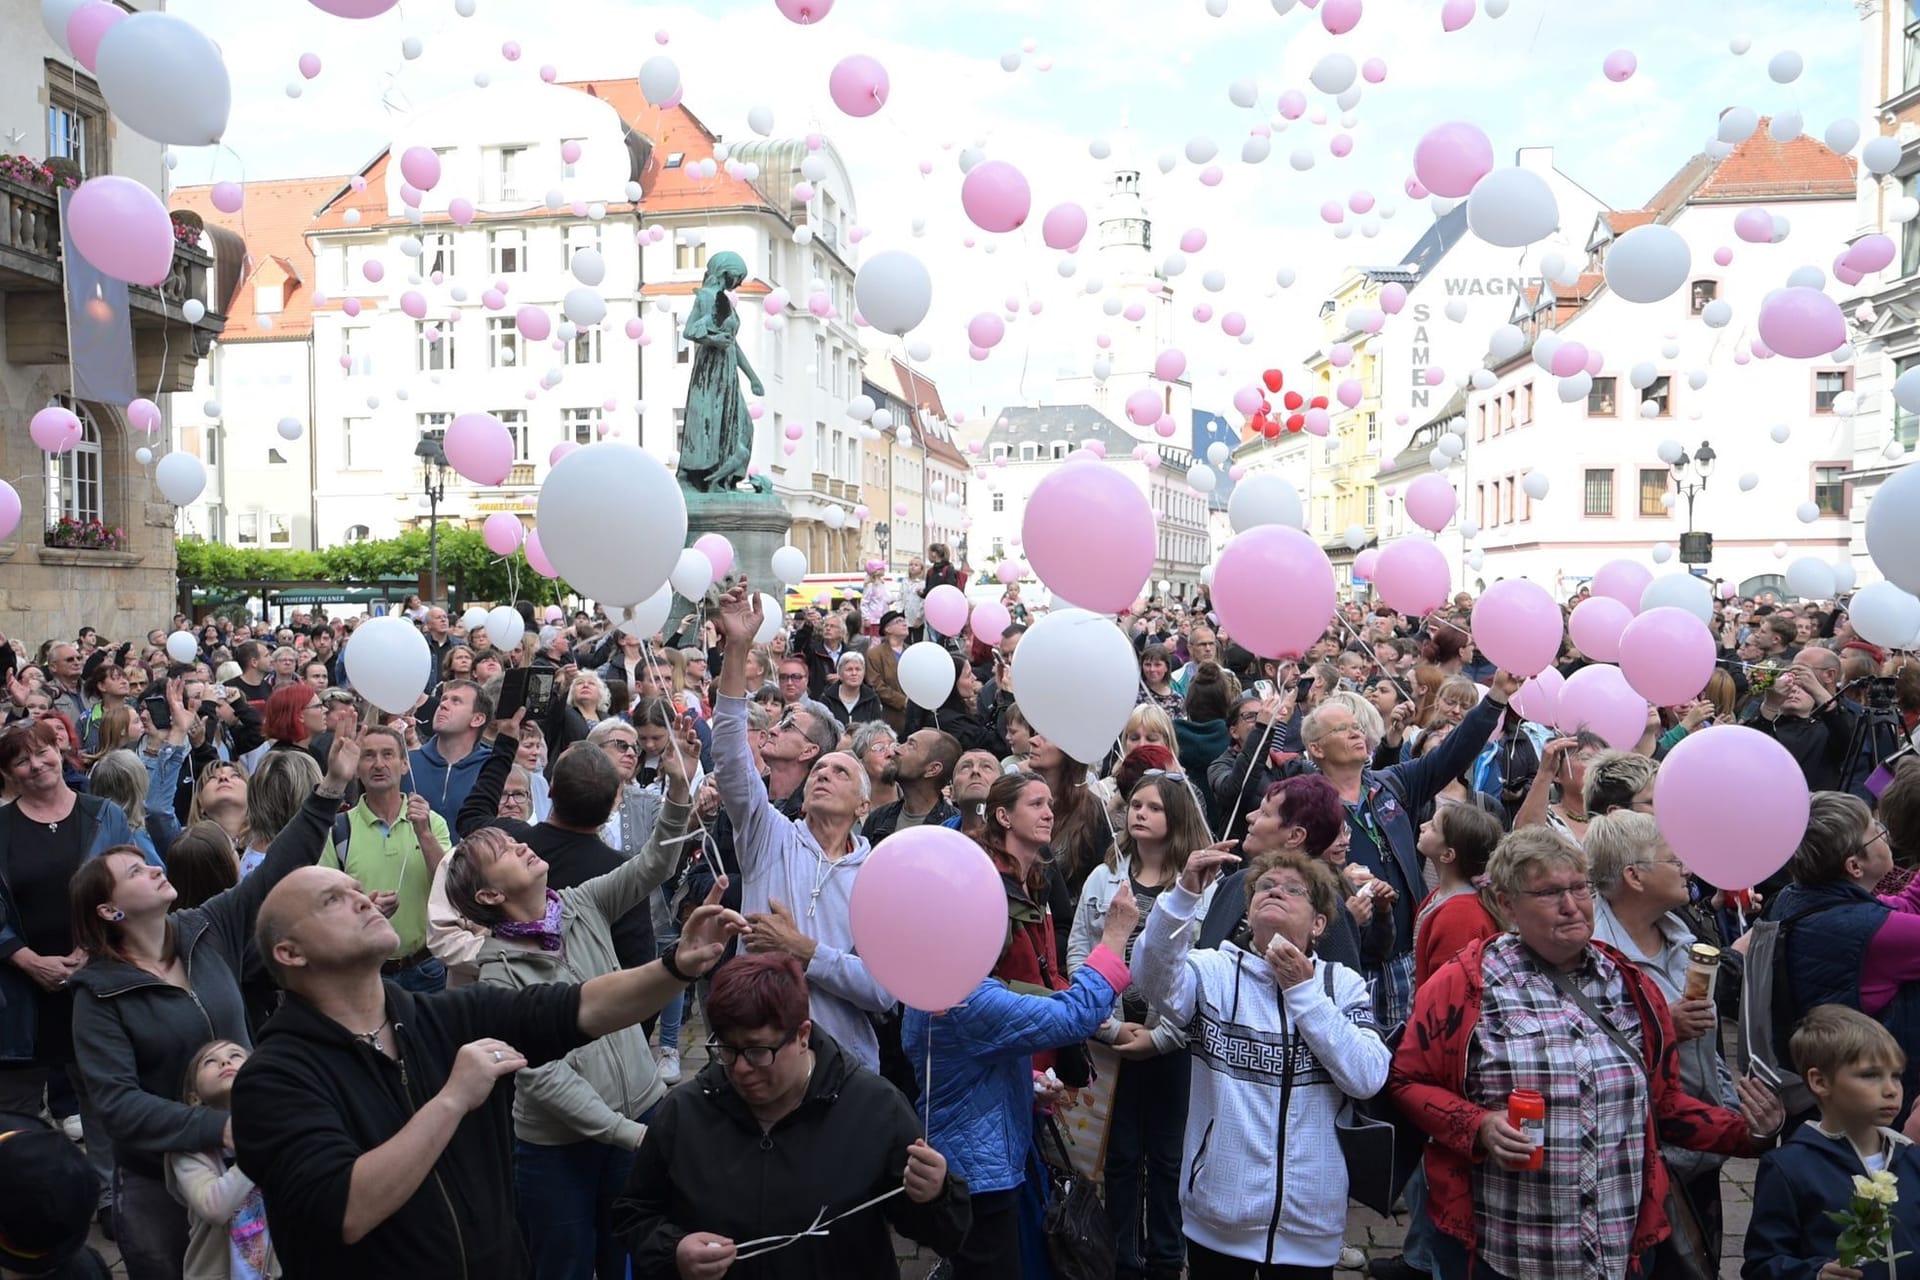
(303, 987)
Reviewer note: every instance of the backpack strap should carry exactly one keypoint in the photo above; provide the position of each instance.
(342, 836)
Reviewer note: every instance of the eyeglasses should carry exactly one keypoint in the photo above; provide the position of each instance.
(1285, 889)
(515, 795)
(1580, 892)
(621, 745)
(1659, 862)
(756, 1055)
(1879, 833)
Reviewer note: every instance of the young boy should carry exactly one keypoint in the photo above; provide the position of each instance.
(1458, 839)
(1852, 1066)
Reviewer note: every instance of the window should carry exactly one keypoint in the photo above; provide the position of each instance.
(999, 452)
(269, 299)
(434, 346)
(773, 262)
(1910, 231)
(356, 443)
(436, 254)
(358, 533)
(247, 529)
(356, 350)
(210, 439)
(76, 120)
(1653, 489)
(820, 447)
(1373, 423)
(503, 341)
(1700, 293)
(503, 173)
(776, 354)
(1059, 450)
(432, 424)
(682, 349)
(820, 361)
(279, 532)
(999, 502)
(1830, 490)
(1599, 493)
(515, 421)
(1906, 425)
(1912, 76)
(1371, 506)
(75, 479)
(576, 425)
(1027, 453)
(1480, 422)
(585, 347)
(839, 375)
(689, 257)
(1523, 403)
(1660, 392)
(999, 550)
(508, 251)
(580, 235)
(1827, 386)
(570, 168)
(1600, 398)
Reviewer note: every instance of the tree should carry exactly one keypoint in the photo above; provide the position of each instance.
(469, 568)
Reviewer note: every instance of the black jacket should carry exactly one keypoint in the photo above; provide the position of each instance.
(135, 1035)
(866, 707)
(1818, 742)
(973, 731)
(313, 1099)
(707, 1166)
(885, 820)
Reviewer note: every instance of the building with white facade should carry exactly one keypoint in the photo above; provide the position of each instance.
(382, 378)
(1610, 494)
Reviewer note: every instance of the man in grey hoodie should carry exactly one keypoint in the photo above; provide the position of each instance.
(798, 873)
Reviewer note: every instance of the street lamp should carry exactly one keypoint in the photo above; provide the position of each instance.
(433, 483)
(1690, 475)
(882, 534)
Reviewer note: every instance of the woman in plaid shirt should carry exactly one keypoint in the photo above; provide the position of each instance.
(1502, 1015)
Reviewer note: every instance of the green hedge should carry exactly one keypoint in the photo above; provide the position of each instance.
(466, 565)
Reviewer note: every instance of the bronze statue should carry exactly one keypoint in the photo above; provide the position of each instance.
(718, 439)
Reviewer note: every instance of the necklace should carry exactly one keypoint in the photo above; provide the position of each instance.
(372, 1038)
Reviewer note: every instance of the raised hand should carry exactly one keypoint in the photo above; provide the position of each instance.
(739, 617)
(1204, 866)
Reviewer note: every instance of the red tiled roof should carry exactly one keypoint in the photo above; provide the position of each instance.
(1621, 221)
(1761, 168)
(687, 288)
(273, 222)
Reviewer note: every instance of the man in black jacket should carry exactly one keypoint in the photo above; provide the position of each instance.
(923, 766)
(368, 1115)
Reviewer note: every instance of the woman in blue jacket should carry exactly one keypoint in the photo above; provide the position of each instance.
(981, 1092)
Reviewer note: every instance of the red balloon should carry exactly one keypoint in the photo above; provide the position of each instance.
(1318, 402)
(1297, 421)
(1272, 378)
(1270, 429)
(1293, 400)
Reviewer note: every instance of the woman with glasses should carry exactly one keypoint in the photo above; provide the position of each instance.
(874, 745)
(1547, 1010)
(1282, 1038)
(784, 1144)
(220, 797)
(1163, 824)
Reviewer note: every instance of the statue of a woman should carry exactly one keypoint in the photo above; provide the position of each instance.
(719, 433)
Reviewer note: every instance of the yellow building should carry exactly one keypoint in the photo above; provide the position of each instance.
(1341, 493)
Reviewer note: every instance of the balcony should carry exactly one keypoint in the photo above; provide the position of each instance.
(166, 348)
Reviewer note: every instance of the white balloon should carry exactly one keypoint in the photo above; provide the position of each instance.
(1200, 478)
(584, 306)
(1078, 677)
(1255, 149)
(410, 49)
(1881, 613)
(1200, 150)
(609, 495)
(760, 120)
(1906, 390)
(589, 268)
(659, 80)
(649, 616)
(289, 428)
(1810, 578)
(1535, 485)
(1544, 346)
(144, 455)
(1678, 591)
(54, 15)
(1670, 451)
(181, 478)
(1781, 431)
(1881, 154)
(1648, 263)
(893, 291)
(388, 663)
(1716, 314)
(1662, 552)
(1574, 389)
(1512, 207)
(1842, 136)
(1264, 498)
(1244, 92)
(1749, 482)
(772, 619)
(473, 617)
(505, 627)
(182, 647)
(1785, 67)
(926, 673)
(1737, 125)
(692, 574)
(1641, 376)
(1334, 73)
(1786, 126)
(1506, 342)
(1844, 576)
(790, 565)
(1807, 512)
(193, 311)
(164, 79)
(1218, 453)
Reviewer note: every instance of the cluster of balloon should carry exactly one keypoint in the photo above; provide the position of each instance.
(1259, 409)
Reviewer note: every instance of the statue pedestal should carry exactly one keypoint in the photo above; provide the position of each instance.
(755, 523)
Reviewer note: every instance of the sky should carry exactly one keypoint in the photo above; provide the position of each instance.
(1152, 76)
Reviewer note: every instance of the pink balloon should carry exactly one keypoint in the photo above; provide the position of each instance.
(1340, 16)
(947, 610)
(374, 270)
(9, 509)
(1802, 323)
(1090, 536)
(1516, 624)
(1452, 157)
(309, 65)
(414, 303)
(929, 916)
(420, 167)
(1596, 624)
(1597, 698)
(143, 415)
(1010, 572)
(1620, 65)
(985, 330)
(227, 197)
(1539, 698)
(990, 620)
(1193, 240)
(1349, 393)
(1568, 359)
(533, 323)
(1170, 364)
(1392, 296)
(1412, 576)
(1455, 14)
(1732, 804)
(1365, 563)
(1623, 580)
(1144, 407)
(1869, 254)
(1292, 104)
(560, 451)
(858, 85)
(1373, 70)
(479, 447)
(55, 429)
(1431, 503)
(995, 196)
(1753, 225)
(549, 73)
(1247, 400)
(460, 209)
(718, 551)
(354, 8)
(1273, 590)
(1064, 227)
(1667, 655)
(502, 533)
(536, 557)
(511, 52)
(493, 300)
(804, 11)
(1233, 324)
(121, 228)
(86, 27)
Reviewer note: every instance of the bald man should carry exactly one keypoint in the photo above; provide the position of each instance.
(798, 873)
(368, 1115)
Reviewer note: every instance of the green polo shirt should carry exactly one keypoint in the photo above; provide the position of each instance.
(387, 860)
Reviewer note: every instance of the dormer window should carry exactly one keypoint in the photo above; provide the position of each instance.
(674, 158)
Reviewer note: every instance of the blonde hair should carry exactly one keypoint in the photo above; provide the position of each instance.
(1833, 1037)
(1615, 841)
(1151, 718)
(1365, 714)
(119, 778)
(1530, 849)
(275, 792)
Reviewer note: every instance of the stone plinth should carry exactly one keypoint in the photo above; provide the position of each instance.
(755, 523)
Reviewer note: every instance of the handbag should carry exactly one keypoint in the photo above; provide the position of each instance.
(1683, 1254)
(1380, 1146)
(1080, 1242)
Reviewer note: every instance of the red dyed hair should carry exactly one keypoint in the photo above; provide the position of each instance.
(754, 991)
(1309, 801)
(1146, 756)
(21, 741)
(71, 755)
(282, 721)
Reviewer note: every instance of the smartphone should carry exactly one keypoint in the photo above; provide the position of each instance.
(1264, 688)
(528, 687)
(158, 712)
(1302, 687)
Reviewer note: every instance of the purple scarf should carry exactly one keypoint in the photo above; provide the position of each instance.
(545, 931)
